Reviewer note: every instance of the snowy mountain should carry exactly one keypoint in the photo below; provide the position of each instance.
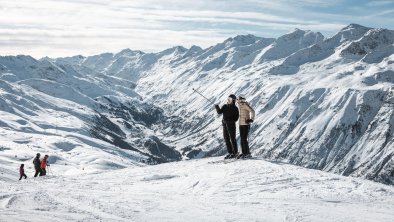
(55, 109)
(321, 102)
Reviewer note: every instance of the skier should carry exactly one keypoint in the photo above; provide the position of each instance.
(22, 171)
(230, 116)
(37, 164)
(246, 117)
(44, 164)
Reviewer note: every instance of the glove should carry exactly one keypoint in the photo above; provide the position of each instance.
(249, 121)
(217, 107)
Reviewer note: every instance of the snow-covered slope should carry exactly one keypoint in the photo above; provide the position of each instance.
(197, 190)
(84, 120)
(322, 103)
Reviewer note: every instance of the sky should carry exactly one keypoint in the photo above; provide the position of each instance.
(58, 28)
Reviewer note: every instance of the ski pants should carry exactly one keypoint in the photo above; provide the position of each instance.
(244, 131)
(229, 134)
(23, 175)
(43, 172)
(38, 172)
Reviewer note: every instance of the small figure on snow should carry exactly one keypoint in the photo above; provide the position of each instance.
(37, 164)
(44, 164)
(22, 171)
(230, 116)
(246, 117)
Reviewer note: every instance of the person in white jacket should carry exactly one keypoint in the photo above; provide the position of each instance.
(246, 117)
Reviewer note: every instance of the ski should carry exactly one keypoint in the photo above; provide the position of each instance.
(225, 161)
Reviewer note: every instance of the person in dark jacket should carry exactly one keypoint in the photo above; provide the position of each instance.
(230, 116)
(22, 171)
(37, 165)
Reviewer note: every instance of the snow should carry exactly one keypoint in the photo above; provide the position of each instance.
(321, 103)
(197, 190)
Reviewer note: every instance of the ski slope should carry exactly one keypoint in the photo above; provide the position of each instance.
(196, 190)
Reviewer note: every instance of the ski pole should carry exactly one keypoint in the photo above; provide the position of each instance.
(50, 171)
(249, 137)
(203, 96)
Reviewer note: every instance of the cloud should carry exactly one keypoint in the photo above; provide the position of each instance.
(92, 26)
(379, 3)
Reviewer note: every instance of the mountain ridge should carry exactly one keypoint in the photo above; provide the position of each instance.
(319, 102)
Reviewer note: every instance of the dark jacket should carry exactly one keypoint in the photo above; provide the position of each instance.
(230, 112)
(21, 170)
(37, 163)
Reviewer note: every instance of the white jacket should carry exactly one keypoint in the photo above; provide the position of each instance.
(245, 112)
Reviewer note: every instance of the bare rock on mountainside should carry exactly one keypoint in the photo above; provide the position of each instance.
(321, 102)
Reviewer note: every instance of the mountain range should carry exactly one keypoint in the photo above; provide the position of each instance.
(324, 103)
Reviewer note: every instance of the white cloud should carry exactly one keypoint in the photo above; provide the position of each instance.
(80, 26)
(379, 3)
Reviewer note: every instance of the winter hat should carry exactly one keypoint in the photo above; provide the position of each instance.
(241, 97)
(232, 96)
(38, 154)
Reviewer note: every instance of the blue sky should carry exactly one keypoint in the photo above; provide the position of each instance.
(70, 27)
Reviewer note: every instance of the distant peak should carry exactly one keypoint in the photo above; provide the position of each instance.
(181, 48)
(19, 57)
(195, 48)
(175, 49)
(295, 34)
(297, 30)
(248, 36)
(128, 51)
(354, 26)
(241, 40)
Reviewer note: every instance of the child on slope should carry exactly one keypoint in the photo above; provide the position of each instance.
(22, 171)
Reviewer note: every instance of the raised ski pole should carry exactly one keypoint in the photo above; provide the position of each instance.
(225, 123)
(203, 96)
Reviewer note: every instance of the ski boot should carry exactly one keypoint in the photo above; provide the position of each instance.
(240, 156)
(228, 156)
(247, 156)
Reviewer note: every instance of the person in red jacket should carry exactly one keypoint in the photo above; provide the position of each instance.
(22, 171)
(44, 164)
